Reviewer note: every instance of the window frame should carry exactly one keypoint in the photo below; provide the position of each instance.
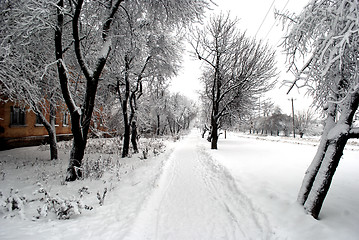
(65, 119)
(17, 116)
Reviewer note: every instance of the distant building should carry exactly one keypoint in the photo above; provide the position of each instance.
(20, 126)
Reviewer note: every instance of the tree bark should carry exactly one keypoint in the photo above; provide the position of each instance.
(205, 129)
(52, 133)
(158, 125)
(51, 130)
(337, 138)
(126, 135)
(134, 136)
(214, 133)
(324, 177)
(53, 145)
(313, 168)
(77, 153)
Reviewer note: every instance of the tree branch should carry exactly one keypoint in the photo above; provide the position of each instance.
(299, 73)
(59, 57)
(107, 25)
(354, 133)
(75, 33)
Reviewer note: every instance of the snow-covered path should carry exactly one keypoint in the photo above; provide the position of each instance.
(197, 198)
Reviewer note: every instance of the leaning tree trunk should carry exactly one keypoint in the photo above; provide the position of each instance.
(313, 169)
(337, 139)
(325, 175)
(51, 130)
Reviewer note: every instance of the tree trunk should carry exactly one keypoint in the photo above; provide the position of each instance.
(134, 137)
(312, 170)
(170, 126)
(51, 130)
(214, 133)
(324, 177)
(52, 133)
(78, 148)
(158, 125)
(205, 129)
(126, 141)
(80, 118)
(126, 136)
(336, 139)
(77, 153)
(53, 145)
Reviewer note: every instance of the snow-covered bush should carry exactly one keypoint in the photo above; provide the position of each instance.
(13, 204)
(62, 208)
(104, 146)
(100, 198)
(44, 147)
(95, 168)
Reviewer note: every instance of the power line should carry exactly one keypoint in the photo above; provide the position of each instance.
(271, 28)
(265, 17)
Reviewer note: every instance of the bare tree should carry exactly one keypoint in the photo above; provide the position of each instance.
(81, 115)
(238, 69)
(180, 111)
(27, 73)
(157, 91)
(303, 121)
(326, 34)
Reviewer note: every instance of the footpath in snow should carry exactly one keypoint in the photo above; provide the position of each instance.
(246, 189)
(197, 198)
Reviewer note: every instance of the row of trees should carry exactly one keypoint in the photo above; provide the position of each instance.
(164, 114)
(275, 122)
(95, 55)
(237, 69)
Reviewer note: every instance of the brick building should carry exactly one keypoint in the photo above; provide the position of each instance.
(21, 127)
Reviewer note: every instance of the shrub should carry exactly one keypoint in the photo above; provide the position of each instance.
(62, 208)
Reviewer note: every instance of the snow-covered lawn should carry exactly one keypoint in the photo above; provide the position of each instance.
(270, 171)
(129, 182)
(245, 190)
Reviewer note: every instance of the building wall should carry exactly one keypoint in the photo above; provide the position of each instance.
(22, 133)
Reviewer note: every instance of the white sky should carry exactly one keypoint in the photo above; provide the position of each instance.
(250, 15)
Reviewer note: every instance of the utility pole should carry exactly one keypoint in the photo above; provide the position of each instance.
(293, 117)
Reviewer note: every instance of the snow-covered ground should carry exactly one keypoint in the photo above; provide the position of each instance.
(245, 190)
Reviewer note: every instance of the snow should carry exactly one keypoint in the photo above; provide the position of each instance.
(244, 190)
(105, 49)
(198, 199)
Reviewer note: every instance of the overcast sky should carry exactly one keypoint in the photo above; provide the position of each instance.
(257, 18)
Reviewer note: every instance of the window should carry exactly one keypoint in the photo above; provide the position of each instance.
(17, 116)
(65, 119)
(38, 120)
(54, 116)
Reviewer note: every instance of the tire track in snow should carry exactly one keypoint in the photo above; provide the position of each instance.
(197, 198)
